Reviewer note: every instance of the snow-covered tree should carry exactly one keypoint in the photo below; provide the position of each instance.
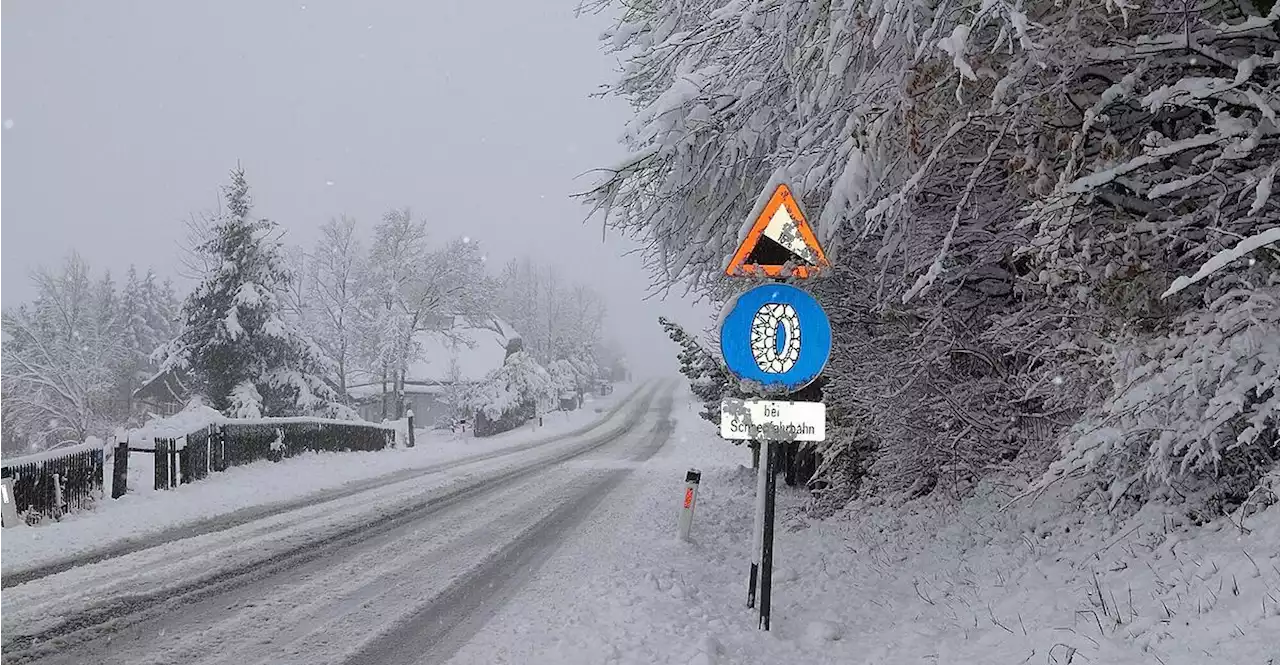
(60, 354)
(564, 376)
(163, 307)
(242, 354)
(709, 379)
(558, 320)
(1008, 191)
(511, 394)
(336, 270)
(409, 282)
(147, 318)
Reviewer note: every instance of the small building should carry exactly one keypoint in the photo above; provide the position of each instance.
(164, 394)
(455, 353)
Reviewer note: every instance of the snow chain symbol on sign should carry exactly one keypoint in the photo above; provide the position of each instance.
(775, 337)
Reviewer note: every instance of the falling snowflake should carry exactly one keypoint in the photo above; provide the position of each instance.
(1057, 381)
(329, 183)
(8, 123)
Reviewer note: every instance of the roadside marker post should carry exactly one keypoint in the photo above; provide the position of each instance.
(691, 481)
(776, 338)
(9, 511)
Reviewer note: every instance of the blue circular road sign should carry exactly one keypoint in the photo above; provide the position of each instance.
(776, 335)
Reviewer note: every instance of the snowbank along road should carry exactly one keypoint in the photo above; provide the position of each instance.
(405, 572)
(21, 575)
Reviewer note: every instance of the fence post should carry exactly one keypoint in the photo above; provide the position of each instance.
(221, 433)
(161, 456)
(410, 442)
(120, 470)
(59, 501)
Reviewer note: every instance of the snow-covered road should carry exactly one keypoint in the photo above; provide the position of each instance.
(260, 491)
(402, 572)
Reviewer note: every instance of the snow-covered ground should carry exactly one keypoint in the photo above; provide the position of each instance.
(144, 511)
(315, 583)
(888, 582)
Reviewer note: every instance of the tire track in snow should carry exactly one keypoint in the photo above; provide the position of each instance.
(124, 611)
(443, 625)
(306, 613)
(255, 513)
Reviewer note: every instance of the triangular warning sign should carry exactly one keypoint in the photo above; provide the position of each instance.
(779, 237)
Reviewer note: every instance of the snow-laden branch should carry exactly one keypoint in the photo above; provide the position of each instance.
(1222, 259)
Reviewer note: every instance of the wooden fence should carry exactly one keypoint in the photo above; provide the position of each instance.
(51, 484)
(216, 448)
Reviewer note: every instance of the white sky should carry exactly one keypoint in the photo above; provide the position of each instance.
(122, 118)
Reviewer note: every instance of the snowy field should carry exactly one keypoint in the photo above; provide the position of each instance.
(889, 582)
(145, 512)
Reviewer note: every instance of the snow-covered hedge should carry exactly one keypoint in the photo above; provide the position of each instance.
(278, 438)
(510, 395)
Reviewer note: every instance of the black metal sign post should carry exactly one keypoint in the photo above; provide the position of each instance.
(766, 555)
(757, 522)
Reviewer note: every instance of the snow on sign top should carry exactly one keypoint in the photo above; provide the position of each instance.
(780, 242)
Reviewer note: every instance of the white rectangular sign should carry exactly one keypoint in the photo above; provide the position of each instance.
(9, 509)
(767, 420)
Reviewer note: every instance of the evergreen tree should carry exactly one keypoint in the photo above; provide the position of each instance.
(708, 379)
(136, 340)
(238, 349)
(132, 315)
(146, 320)
(164, 309)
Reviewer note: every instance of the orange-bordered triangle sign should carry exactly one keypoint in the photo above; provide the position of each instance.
(779, 239)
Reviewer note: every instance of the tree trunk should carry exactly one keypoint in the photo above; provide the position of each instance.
(399, 394)
(383, 397)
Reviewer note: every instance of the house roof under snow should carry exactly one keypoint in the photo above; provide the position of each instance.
(458, 350)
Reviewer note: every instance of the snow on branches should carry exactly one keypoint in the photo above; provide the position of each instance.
(244, 356)
(74, 355)
(709, 379)
(1006, 188)
(520, 383)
